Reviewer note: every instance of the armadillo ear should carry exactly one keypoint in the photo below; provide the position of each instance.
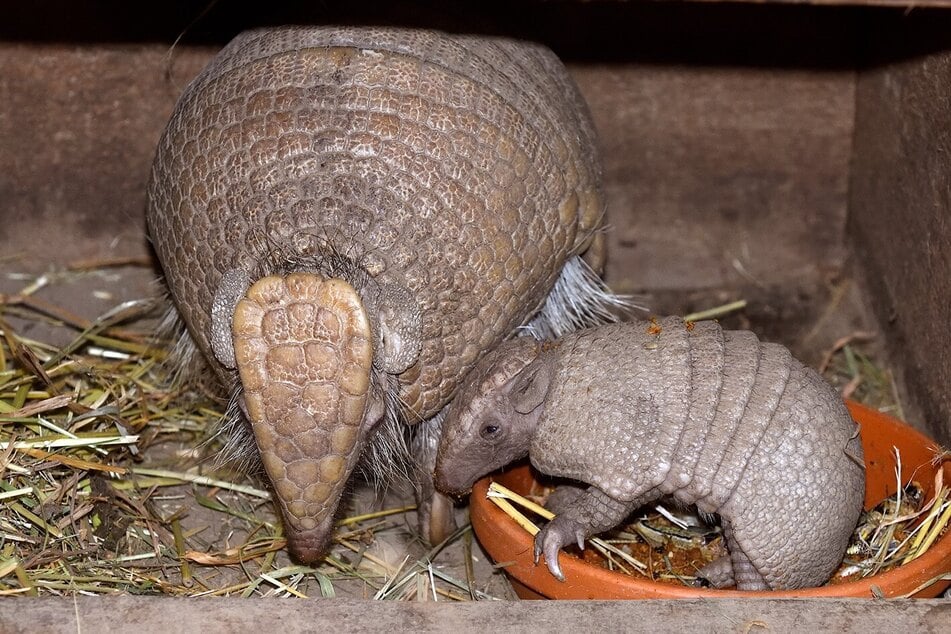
(401, 326)
(530, 387)
(232, 287)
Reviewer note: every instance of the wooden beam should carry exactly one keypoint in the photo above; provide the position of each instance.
(233, 616)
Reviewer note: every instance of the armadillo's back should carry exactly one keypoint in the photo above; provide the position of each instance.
(460, 168)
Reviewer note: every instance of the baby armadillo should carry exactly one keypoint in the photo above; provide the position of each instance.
(648, 409)
(348, 218)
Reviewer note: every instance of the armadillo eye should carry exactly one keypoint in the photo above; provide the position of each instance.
(490, 431)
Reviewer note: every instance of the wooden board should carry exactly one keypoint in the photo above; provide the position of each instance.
(901, 203)
(722, 177)
(234, 616)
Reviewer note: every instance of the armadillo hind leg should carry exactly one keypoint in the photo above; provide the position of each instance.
(718, 573)
(795, 507)
(303, 350)
(734, 569)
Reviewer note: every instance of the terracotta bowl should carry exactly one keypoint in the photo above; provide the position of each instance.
(511, 546)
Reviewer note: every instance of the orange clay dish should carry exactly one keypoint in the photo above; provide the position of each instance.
(926, 575)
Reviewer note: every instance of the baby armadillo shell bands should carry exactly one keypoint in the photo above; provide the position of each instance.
(505, 541)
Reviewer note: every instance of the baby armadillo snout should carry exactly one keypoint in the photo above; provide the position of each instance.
(449, 478)
(456, 488)
(458, 466)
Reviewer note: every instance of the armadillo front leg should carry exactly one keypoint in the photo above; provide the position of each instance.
(564, 497)
(434, 510)
(593, 512)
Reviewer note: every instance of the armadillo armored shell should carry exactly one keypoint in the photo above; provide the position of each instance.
(461, 167)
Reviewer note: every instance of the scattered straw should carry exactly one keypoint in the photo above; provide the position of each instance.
(503, 497)
(716, 312)
(102, 491)
(900, 529)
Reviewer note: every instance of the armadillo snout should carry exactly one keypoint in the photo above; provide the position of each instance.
(452, 482)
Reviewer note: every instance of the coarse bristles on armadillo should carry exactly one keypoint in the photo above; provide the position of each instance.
(579, 300)
(187, 367)
(387, 456)
(423, 444)
(184, 362)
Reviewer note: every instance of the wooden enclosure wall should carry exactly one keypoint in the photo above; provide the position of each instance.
(900, 214)
(78, 129)
(727, 132)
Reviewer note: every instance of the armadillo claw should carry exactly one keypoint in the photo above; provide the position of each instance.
(552, 538)
(549, 544)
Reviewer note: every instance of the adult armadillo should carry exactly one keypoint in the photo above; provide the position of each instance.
(645, 409)
(350, 217)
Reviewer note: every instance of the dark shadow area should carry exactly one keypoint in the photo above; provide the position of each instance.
(705, 34)
(698, 33)
(891, 36)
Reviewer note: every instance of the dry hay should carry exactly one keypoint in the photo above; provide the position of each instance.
(103, 490)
